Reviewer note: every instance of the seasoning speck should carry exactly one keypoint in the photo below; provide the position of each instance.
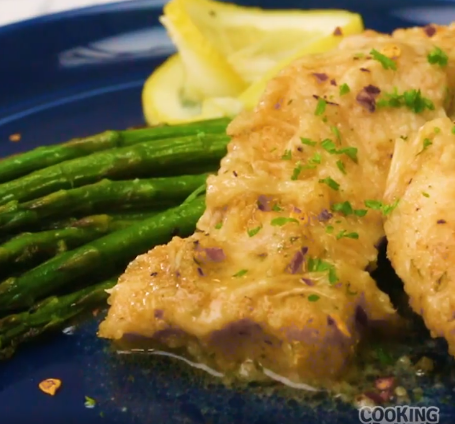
(15, 137)
(441, 221)
(430, 30)
(153, 274)
(50, 386)
(367, 97)
(320, 77)
(90, 403)
(338, 31)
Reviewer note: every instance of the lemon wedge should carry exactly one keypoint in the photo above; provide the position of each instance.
(227, 53)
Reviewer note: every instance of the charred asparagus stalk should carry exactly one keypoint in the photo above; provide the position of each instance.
(42, 157)
(100, 196)
(110, 251)
(49, 314)
(27, 248)
(143, 159)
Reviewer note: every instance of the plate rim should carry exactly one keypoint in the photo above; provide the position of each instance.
(79, 11)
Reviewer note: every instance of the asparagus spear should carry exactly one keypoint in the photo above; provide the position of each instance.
(143, 159)
(107, 252)
(102, 195)
(26, 248)
(128, 217)
(42, 157)
(52, 313)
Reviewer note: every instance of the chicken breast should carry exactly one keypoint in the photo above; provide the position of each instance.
(421, 229)
(274, 278)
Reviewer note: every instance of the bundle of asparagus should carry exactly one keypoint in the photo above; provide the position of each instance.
(73, 215)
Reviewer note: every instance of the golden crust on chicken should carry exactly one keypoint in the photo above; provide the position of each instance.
(421, 229)
(275, 275)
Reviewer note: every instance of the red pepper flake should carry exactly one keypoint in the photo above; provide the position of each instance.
(50, 386)
(320, 76)
(430, 30)
(367, 97)
(385, 383)
(15, 137)
(338, 31)
(441, 221)
(333, 82)
(365, 70)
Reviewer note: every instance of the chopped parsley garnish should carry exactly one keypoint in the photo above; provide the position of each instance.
(425, 194)
(341, 167)
(330, 147)
(385, 61)
(412, 99)
(453, 130)
(346, 209)
(437, 130)
(313, 297)
(316, 158)
(318, 265)
(426, 143)
(287, 155)
(331, 183)
(89, 402)
(277, 208)
(344, 89)
(320, 107)
(379, 206)
(254, 231)
(308, 142)
(219, 225)
(296, 172)
(438, 57)
(280, 221)
(336, 132)
(351, 152)
(329, 229)
(345, 234)
(241, 273)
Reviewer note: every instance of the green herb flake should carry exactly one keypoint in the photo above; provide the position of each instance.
(344, 89)
(277, 208)
(89, 402)
(241, 273)
(316, 158)
(343, 207)
(383, 357)
(313, 297)
(218, 226)
(341, 167)
(360, 212)
(437, 130)
(438, 57)
(425, 194)
(280, 221)
(318, 265)
(329, 229)
(426, 143)
(385, 61)
(320, 107)
(411, 99)
(379, 206)
(296, 172)
(254, 231)
(359, 55)
(287, 155)
(350, 152)
(345, 234)
(333, 277)
(404, 137)
(331, 183)
(307, 141)
(328, 145)
(336, 132)
(453, 130)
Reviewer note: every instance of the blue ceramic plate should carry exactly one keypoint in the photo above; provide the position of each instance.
(78, 73)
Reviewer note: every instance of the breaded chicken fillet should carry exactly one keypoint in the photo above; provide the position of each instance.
(421, 229)
(274, 278)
